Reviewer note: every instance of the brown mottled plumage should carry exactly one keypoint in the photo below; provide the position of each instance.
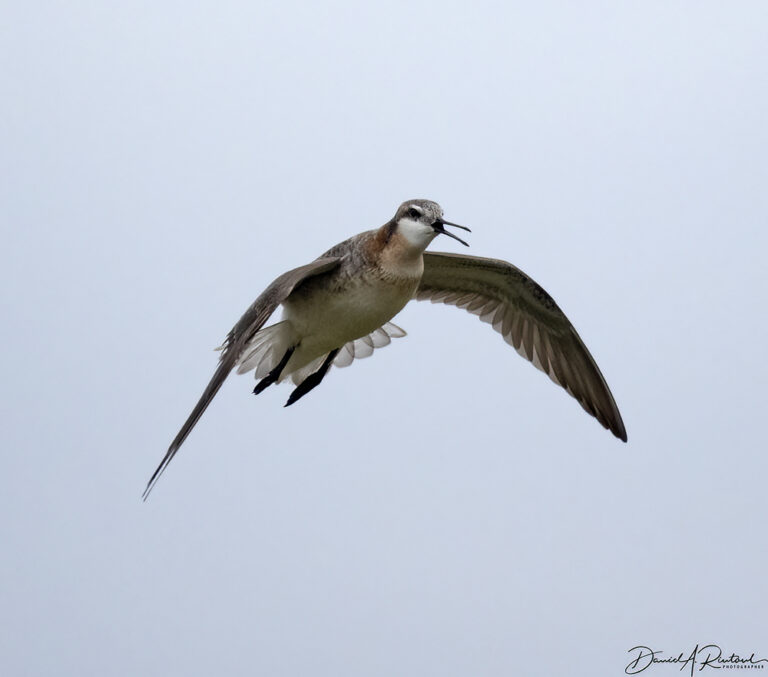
(338, 308)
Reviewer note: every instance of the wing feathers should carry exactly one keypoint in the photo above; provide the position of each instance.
(528, 319)
(238, 338)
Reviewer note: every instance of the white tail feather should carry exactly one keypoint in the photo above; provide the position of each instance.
(268, 346)
(265, 349)
(300, 374)
(364, 346)
(354, 350)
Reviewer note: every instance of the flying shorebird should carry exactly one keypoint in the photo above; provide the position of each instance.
(339, 308)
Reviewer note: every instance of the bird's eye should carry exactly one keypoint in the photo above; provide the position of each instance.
(414, 213)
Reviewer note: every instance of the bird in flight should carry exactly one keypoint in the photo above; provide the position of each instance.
(339, 306)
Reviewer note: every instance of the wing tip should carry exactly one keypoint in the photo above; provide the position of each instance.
(618, 429)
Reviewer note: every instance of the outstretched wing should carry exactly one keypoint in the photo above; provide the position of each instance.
(528, 319)
(252, 320)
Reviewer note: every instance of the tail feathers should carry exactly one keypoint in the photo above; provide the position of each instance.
(298, 376)
(364, 346)
(269, 345)
(354, 350)
(265, 349)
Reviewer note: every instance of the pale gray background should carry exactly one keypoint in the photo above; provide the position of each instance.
(441, 508)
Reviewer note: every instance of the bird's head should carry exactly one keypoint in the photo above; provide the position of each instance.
(420, 221)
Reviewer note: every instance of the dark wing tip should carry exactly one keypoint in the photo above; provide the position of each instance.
(611, 420)
(620, 432)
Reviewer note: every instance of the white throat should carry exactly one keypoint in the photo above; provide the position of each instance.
(415, 233)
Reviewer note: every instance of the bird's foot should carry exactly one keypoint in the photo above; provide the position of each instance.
(312, 381)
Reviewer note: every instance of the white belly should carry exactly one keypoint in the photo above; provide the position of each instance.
(325, 319)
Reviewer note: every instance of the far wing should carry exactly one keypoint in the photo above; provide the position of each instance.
(252, 320)
(528, 319)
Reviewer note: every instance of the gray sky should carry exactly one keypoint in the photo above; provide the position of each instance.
(440, 508)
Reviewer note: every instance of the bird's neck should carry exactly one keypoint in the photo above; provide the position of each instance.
(395, 254)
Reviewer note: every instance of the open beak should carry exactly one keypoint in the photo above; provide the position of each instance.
(439, 226)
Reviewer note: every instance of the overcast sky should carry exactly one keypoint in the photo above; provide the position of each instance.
(440, 508)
